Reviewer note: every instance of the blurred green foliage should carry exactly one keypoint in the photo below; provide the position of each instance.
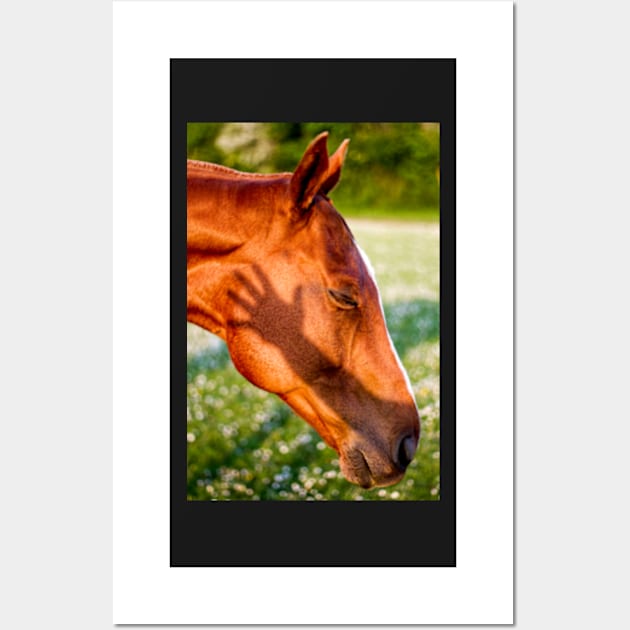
(390, 169)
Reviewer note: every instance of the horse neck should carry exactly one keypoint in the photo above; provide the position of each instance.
(227, 209)
(230, 216)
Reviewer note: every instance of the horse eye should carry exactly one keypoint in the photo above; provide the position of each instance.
(342, 299)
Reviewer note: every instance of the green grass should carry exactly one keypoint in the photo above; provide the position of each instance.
(245, 444)
(426, 215)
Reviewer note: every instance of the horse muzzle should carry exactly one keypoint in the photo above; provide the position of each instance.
(369, 467)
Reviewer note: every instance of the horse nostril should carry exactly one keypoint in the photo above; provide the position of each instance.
(406, 451)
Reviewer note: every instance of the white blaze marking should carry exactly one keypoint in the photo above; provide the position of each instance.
(370, 269)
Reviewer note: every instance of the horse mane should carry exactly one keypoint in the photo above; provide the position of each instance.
(231, 173)
(224, 172)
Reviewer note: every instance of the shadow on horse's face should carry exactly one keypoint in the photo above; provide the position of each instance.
(310, 328)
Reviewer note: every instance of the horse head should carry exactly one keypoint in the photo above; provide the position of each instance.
(299, 309)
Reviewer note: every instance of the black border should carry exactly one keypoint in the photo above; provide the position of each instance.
(295, 533)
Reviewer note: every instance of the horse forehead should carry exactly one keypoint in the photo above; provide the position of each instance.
(332, 238)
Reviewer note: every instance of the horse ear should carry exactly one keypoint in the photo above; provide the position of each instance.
(334, 167)
(310, 173)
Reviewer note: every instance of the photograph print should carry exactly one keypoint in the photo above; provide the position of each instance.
(313, 301)
(318, 240)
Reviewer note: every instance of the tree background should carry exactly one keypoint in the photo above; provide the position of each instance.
(390, 169)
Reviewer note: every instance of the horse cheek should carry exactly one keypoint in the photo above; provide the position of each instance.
(261, 363)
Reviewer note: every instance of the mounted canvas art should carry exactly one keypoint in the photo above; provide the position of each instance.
(265, 439)
(320, 312)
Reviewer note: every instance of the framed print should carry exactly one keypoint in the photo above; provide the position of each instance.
(224, 492)
(240, 456)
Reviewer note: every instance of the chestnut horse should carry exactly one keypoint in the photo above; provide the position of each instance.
(274, 271)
